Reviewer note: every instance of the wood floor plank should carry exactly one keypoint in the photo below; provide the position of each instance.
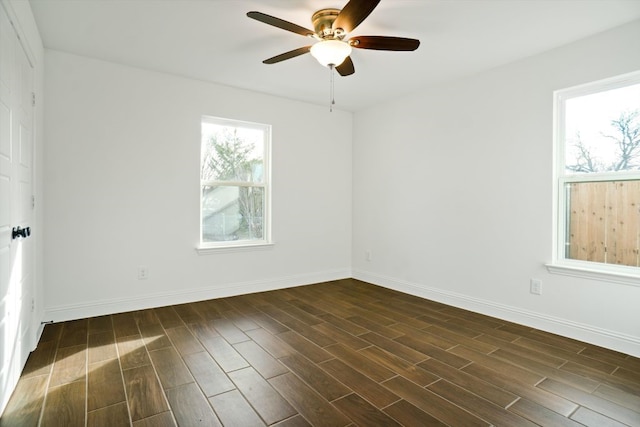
(372, 391)
(271, 406)
(188, 314)
(40, 360)
(184, 341)
(268, 323)
(132, 351)
(323, 383)
(234, 410)
(513, 384)
(517, 372)
(70, 365)
(154, 336)
(340, 336)
(271, 343)
(361, 362)
(305, 347)
(396, 348)
(432, 404)
(591, 418)
(548, 359)
(104, 385)
(540, 414)
(374, 327)
(74, 333)
(543, 349)
(170, 368)
(168, 317)
(102, 346)
(224, 354)
(242, 322)
(307, 402)
(430, 350)
(124, 325)
(613, 357)
(592, 375)
(478, 405)
(26, 402)
(229, 331)
(260, 359)
(52, 332)
(488, 391)
(100, 324)
(65, 405)
(144, 392)
(543, 370)
(408, 415)
(343, 324)
(190, 407)
(399, 366)
(110, 416)
(628, 400)
(422, 335)
(295, 421)
(209, 376)
(362, 412)
(595, 403)
(164, 419)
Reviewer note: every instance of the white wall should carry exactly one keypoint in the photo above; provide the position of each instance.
(122, 190)
(453, 195)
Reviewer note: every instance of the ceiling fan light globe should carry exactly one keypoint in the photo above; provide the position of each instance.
(331, 52)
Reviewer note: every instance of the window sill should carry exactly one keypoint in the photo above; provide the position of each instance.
(624, 277)
(242, 247)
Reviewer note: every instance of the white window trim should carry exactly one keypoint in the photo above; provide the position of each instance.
(560, 265)
(207, 248)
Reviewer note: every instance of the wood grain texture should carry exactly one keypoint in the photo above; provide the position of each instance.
(341, 353)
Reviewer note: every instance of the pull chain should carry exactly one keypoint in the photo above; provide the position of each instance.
(332, 100)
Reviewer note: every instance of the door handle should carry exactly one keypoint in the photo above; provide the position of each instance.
(17, 232)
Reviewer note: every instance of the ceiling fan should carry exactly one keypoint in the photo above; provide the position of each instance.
(330, 29)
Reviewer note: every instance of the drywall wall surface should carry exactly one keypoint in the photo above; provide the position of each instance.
(122, 190)
(453, 195)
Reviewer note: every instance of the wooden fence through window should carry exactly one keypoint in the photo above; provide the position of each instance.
(604, 222)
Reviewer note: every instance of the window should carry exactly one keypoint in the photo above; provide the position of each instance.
(234, 184)
(598, 177)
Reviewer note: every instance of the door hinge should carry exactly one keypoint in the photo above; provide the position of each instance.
(33, 202)
(33, 99)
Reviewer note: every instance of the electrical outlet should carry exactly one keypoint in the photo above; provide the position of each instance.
(367, 255)
(143, 272)
(535, 286)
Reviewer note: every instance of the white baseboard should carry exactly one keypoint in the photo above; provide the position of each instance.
(601, 337)
(141, 302)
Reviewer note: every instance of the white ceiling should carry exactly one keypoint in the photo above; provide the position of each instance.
(213, 40)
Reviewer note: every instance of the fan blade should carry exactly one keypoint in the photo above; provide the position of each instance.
(384, 43)
(346, 68)
(353, 13)
(280, 23)
(287, 55)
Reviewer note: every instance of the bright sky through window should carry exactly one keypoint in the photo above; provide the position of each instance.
(588, 118)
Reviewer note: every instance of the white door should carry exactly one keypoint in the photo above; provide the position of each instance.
(16, 208)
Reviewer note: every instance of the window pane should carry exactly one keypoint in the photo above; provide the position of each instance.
(602, 131)
(603, 222)
(232, 213)
(232, 153)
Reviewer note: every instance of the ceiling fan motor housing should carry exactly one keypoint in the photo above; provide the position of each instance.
(323, 24)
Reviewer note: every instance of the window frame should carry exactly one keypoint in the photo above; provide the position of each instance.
(239, 245)
(614, 273)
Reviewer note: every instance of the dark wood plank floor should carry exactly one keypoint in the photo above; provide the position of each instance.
(342, 353)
